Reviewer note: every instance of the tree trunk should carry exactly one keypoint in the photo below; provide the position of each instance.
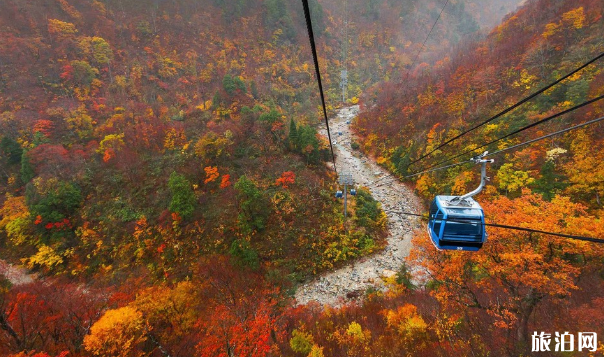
(8, 328)
(527, 306)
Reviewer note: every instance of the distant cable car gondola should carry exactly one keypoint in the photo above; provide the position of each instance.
(353, 192)
(339, 194)
(457, 222)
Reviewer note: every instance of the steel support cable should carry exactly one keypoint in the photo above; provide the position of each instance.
(313, 47)
(516, 146)
(571, 236)
(425, 40)
(471, 151)
(507, 110)
(548, 136)
(345, 54)
(438, 168)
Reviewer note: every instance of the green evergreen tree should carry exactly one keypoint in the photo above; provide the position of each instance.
(228, 84)
(244, 254)
(293, 135)
(368, 210)
(217, 101)
(550, 183)
(254, 89)
(318, 17)
(40, 138)
(57, 203)
(183, 197)
(253, 206)
(372, 10)
(27, 170)
(308, 144)
(232, 84)
(271, 116)
(277, 18)
(11, 150)
(239, 84)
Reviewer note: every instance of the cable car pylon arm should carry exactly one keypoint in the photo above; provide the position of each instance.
(480, 159)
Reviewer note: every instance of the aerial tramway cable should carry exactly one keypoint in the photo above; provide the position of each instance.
(425, 40)
(507, 110)
(575, 237)
(344, 73)
(313, 47)
(517, 131)
(514, 146)
(437, 169)
(570, 236)
(548, 136)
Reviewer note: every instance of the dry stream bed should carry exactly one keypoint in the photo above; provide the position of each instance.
(350, 281)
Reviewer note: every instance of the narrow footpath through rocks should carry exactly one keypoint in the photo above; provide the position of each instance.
(351, 281)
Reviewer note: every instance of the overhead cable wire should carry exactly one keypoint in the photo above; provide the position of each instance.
(570, 236)
(345, 55)
(507, 110)
(566, 111)
(515, 146)
(426, 40)
(438, 169)
(547, 136)
(313, 47)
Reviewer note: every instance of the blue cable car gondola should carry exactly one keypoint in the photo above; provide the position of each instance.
(353, 192)
(455, 227)
(339, 194)
(457, 222)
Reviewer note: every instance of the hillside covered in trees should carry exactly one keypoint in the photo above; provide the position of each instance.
(519, 282)
(162, 176)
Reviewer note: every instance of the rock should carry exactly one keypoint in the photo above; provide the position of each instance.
(349, 282)
(388, 273)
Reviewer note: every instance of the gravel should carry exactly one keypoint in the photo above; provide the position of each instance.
(350, 282)
(17, 275)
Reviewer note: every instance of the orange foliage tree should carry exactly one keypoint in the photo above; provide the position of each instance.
(515, 271)
(287, 178)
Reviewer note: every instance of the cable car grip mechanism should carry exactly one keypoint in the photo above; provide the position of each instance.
(463, 200)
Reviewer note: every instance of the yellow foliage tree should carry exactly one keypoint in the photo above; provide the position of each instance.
(515, 271)
(46, 257)
(212, 147)
(111, 141)
(316, 351)
(15, 219)
(162, 306)
(586, 169)
(550, 30)
(574, 18)
(174, 138)
(97, 49)
(512, 180)
(406, 321)
(80, 122)
(117, 333)
(61, 30)
(525, 81)
(355, 339)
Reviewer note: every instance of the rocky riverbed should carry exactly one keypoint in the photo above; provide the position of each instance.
(17, 275)
(351, 281)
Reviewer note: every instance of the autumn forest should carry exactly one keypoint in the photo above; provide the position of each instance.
(166, 186)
